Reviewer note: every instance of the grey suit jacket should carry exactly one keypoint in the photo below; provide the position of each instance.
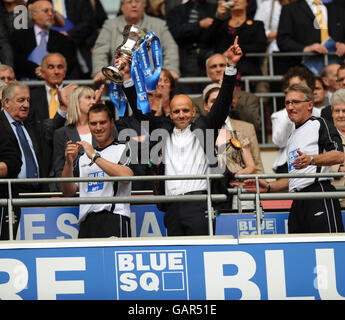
(111, 37)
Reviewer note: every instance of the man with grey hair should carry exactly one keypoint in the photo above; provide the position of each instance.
(23, 140)
(7, 73)
(111, 37)
(329, 77)
(44, 99)
(47, 113)
(313, 147)
(245, 105)
(327, 111)
(30, 45)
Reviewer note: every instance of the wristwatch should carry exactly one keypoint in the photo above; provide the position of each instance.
(230, 70)
(95, 156)
(312, 161)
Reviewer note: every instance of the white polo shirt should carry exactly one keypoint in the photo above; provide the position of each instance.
(315, 136)
(114, 153)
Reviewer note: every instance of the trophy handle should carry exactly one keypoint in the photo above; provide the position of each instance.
(113, 73)
(133, 36)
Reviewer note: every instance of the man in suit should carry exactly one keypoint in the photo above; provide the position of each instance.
(6, 73)
(22, 139)
(245, 105)
(299, 28)
(329, 77)
(326, 112)
(6, 54)
(80, 26)
(44, 40)
(187, 23)
(53, 71)
(46, 113)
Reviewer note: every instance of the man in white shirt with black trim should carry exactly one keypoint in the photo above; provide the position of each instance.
(313, 147)
(108, 160)
(187, 149)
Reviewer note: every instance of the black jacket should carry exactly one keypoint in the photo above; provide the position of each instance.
(251, 38)
(23, 42)
(296, 27)
(188, 35)
(7, 134)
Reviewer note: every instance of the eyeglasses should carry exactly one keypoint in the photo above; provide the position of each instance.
(294, 102)
(164, 80)
(132, 1)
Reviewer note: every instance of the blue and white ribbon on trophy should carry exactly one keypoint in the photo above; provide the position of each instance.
(143, 76)
(117, 97)
(141, 71)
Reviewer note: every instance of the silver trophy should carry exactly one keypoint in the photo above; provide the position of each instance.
(133, 36)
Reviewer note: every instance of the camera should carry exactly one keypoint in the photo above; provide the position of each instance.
(229, 4)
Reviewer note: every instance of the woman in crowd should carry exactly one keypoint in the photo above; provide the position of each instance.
(165, 91)
(76, 128)
(251, 35)
(338, 114)
(233, 144)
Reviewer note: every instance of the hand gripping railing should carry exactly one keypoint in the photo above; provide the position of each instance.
(10, 202)
(210, 198)
(288, 195)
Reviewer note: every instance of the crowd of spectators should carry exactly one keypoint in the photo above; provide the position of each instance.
(56, 41)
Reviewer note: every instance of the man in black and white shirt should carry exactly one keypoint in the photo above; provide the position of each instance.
(184, 150)
(108, 160)
(313, 147)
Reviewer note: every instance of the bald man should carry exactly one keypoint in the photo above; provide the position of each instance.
(187, 150)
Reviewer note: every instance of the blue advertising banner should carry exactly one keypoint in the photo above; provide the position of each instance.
(211, 268)
(245, 224)
(62, 223)
(147, 221)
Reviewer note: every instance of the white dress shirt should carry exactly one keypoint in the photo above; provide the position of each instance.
(313, 8)
(184, 155)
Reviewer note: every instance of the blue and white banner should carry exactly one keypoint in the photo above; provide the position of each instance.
(62, 223)
(147, 221)
(219, 268)
(245, 224)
